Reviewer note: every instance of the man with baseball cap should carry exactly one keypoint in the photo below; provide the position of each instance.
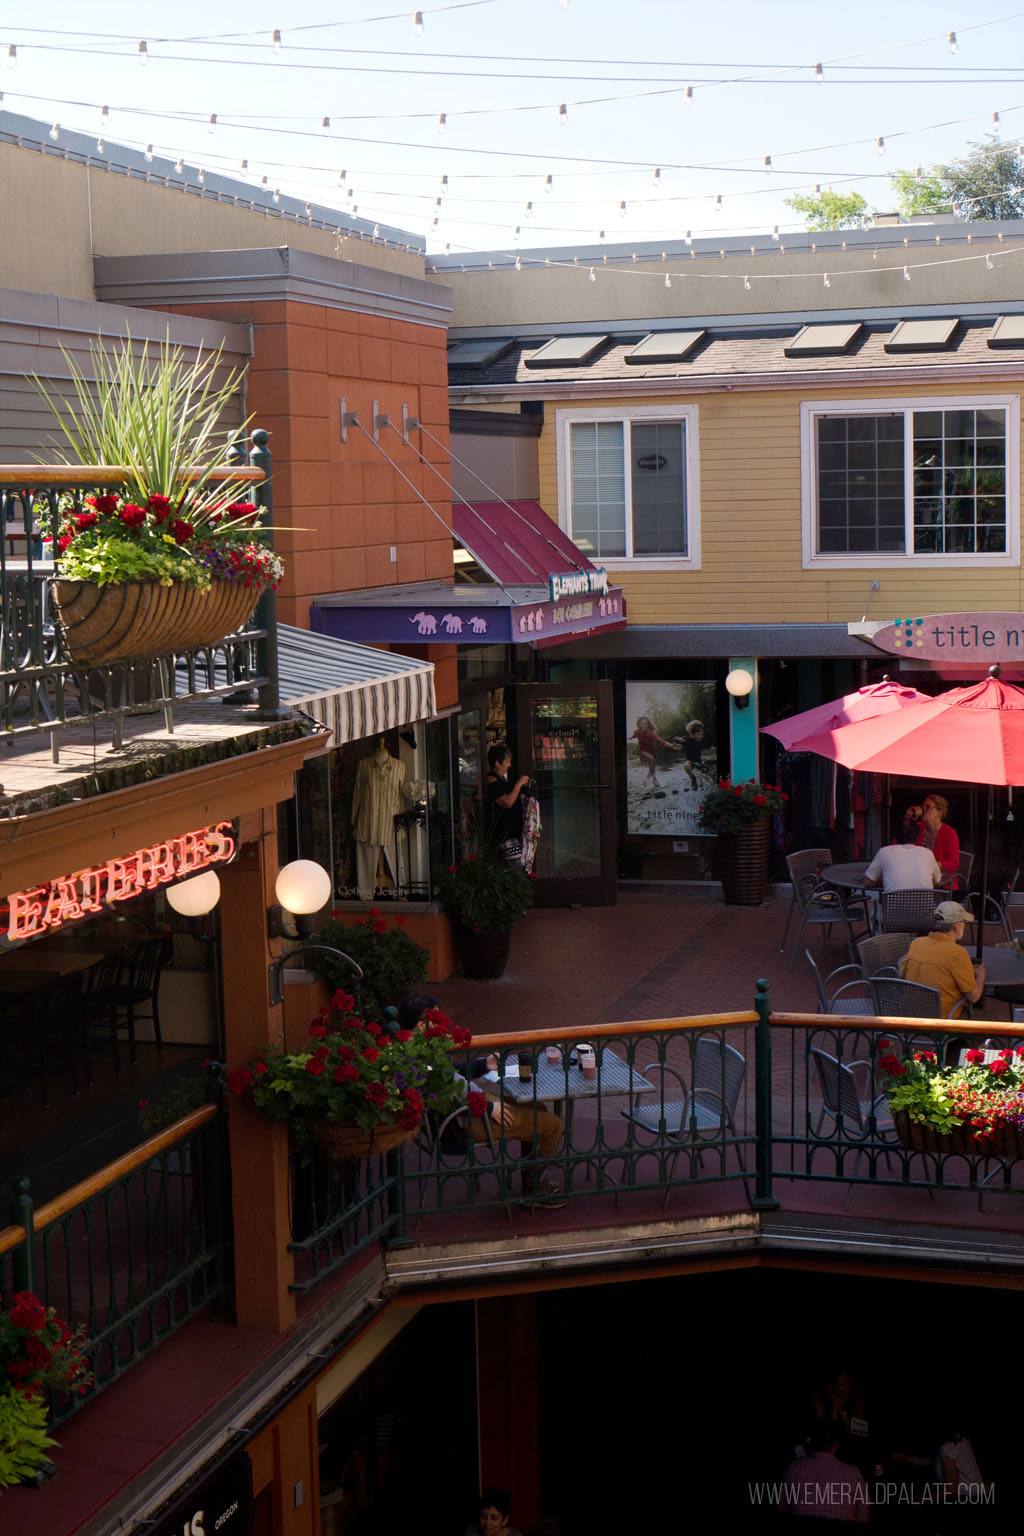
(938, 960)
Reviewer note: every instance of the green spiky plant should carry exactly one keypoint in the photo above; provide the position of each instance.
(160, 416)
(23, 1438)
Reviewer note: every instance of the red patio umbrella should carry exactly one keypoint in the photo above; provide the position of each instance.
(864, 704)
(972, 735)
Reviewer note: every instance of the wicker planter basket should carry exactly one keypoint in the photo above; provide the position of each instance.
(137, 619)
(1007, 1142)
(351, 1141)
(743, 859)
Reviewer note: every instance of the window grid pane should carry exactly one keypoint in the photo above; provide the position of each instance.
(959, 482)
(598, 487)
(658, 474)
(860, 485)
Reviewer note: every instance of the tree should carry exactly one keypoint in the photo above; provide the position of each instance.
(986, 184)
(830, 210)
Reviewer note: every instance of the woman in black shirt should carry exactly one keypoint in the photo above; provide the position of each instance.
(504, 802)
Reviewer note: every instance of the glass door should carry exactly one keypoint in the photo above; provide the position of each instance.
(565, 742)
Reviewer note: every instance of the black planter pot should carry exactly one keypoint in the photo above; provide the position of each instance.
(743, 859)
(483, 956)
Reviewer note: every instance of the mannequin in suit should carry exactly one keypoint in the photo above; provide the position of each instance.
(376, 800)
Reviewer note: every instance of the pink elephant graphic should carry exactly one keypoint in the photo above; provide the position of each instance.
(426, 622)
(452, 624)
(478, 626)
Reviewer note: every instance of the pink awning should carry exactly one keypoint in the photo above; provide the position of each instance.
(515, 542)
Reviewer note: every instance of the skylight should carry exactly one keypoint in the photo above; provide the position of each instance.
(479, 351)
(1008, 331)
(565, 349)
(922, 335)
(665, 347)
(821, 340)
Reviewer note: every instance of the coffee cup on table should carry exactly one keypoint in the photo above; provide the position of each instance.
(553, 1055)
(587, 1060)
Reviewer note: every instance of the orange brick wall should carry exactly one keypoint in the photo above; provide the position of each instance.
(341, 506)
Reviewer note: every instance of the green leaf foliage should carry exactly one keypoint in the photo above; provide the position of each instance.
(23, 1438)
(986, 184)
(830, 210)
(731, 806)
(485, 894)
(391, 961)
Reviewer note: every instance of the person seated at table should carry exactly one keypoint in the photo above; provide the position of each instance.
(820, 1487)
(503, 1117)
(938, 960)
(935, 833)
(904, 865)
(493, 1515)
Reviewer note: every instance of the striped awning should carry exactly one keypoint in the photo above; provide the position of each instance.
(355, 690)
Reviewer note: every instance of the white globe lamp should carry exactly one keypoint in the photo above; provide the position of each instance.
(303, 887)
(738, 684)
(195, 897)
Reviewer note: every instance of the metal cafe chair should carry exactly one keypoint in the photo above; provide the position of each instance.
(708, 1107)
(142, 985)
(881, 953)
(836, 1000)
(810, 861)
(98, 1006)
(960, 879)
(908, 911)
(55, 1023)
(821, 905)
(848, 1105)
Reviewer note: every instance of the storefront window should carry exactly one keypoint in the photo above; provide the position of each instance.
(567, 765)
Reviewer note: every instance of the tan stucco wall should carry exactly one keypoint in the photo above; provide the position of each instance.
(74, 212)
(750, 525)
(710, 285)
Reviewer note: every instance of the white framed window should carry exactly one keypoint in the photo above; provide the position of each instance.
(629, 485)
(910, 483)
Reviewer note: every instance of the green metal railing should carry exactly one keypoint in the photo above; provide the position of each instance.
(338, 1208)
(134, 1252)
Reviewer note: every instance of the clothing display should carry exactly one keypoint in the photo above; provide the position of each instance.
(376, 801)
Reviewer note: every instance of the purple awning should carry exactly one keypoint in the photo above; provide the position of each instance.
(515, 542)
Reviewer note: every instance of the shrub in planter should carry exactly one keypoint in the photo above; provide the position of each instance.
(38, 1353)
(391, 961)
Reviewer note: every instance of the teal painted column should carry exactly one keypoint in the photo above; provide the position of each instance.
(743, 717)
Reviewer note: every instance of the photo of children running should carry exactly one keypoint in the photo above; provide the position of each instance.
(648, 741)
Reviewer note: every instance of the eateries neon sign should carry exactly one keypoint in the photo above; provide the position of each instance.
(44, 907)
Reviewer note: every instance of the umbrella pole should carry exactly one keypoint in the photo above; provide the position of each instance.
(983, 893)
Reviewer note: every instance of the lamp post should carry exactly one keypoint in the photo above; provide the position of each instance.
(303, 888)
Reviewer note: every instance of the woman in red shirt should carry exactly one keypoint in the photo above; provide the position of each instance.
(934, 832)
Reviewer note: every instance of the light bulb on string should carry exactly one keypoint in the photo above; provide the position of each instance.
(277, 194)
(309, 210)
(622, 210)
(819, 73)
(718, 200)
(519, 263)
(880, 146)
(593, 276)
(417, 23)
(995, 121)
(688, 237)
(528, 212)
(12, 55)
(988, 262)
(688, 96)
(668, 280)
(825, 281)
(325, 127)
(55, 132)
(563, 114)
(775, 232)
(444, 183)
(442, 121)
(376, 231)
(212, 124)
(517, 232)
(767, 162)
(951, 40)
(437, 202)
(275, 38)
(143, 52)
(600, 234)
(201, 176)
(548, 183)
(99, 146)
(906, 274)
(179, 165)
(104, 119)
(243, 170)
(435, 221)
(341, 177)
(656, 177)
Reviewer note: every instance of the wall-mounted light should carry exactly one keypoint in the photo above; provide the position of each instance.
(303, 888)
(739, 684)
(195, 897)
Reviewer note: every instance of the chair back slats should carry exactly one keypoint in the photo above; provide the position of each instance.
(105, 974)
(908, 911)
(146, 961)
(897, 999)
(838, 1088)
(718, 1067)
(882, 950)
(807, 863)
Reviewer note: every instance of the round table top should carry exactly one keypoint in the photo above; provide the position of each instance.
(850, 876)
(1003, 967)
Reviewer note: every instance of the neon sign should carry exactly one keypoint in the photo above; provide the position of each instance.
(44, 907)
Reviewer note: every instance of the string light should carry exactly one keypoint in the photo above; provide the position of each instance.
(1, 101)
(417, 23)
(825, 281)
(622, 210)
(517, 232)
(746, 284)
(668, 280)
(325, 127)
(376, 231)
(988, 262)
(563, 114)
(243, 169)
(104, 119)
(656, 177)
(775, 232)
(179, 166)
(519, 263)
(99, 146)
(906, 274)
(600, 234)
(548, 183)
(995, 121)
(143, 51)
(12, 55)
(593, 275)
(819, 73)
(688, 96)
(55, 132)
(277, 196)
(687, 237)
(212, 124)
(201, 176)
(718, 200)
(951, 40)
(529, 211)
(275, 38)
(442, 121)
(880, 146)
(309, 211)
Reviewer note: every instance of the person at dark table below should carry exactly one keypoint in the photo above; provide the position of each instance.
(935, 833)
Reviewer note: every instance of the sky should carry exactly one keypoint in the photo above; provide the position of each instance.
(785, 98)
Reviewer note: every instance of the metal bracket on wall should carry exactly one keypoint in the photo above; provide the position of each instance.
(409, 424)
(348, 419)
(379, 419)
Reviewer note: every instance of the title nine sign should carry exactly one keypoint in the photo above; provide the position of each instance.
(43, 907)
(949, 637)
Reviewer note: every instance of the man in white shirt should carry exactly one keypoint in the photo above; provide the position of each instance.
(902, 866)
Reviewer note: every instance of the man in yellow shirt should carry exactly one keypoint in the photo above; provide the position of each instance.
(937, 960)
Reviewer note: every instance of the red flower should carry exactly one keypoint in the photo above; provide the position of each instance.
(1005, 1055)
(315, 1066)
(105, 503)
(372, 1028)
(893, 1066)
(132, 516)
(451, 869)
(27, 1311)
(343, 1001)
(63, 542)
(346, 1073)
(380, 926)
(180, 531)
(884, 1045)
(376, 1093)
(737, 789)
(974, 1055)
(477, 1102)
(760, 800)
(401, 921)
(998, 1067)
(239, 1081)
(160, 506)
(318, 1031)
(259, 1068)
(403, 1035)
(370, 1053)
(322, 1052)
(84, 520)
(346, 1053)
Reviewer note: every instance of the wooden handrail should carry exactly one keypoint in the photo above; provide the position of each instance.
(11, 1237)
(137, 1158)
(883, 1026)
(607, 1031)
(71, 476)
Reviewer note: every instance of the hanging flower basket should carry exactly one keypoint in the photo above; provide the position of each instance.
(131, 620)
(1007, 1140)
(351, 1141)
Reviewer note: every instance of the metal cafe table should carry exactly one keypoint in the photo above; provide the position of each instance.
(563, 1081)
